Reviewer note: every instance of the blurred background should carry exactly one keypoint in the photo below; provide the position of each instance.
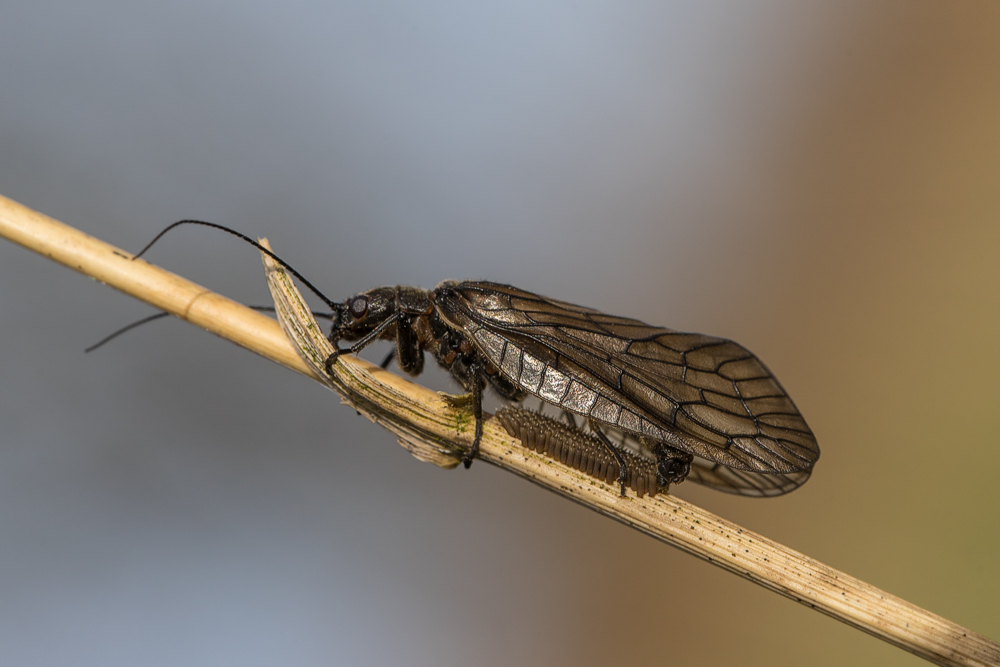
(820, 182)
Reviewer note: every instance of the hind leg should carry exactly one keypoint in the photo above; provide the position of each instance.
(614, 452)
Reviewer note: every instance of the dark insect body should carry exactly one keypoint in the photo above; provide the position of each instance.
(697, 406)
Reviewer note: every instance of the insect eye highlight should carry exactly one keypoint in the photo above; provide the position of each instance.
(358, 307)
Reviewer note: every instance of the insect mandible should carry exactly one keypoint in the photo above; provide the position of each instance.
(703, 407)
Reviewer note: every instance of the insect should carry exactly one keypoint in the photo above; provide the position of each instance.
(697, 406)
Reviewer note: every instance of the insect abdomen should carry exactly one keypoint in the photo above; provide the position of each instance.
(577, 449)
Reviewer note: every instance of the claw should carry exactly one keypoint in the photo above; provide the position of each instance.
(333, 358)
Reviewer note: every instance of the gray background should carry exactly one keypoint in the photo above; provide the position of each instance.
(821, 183)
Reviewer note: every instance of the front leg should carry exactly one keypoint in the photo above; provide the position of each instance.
(477, 411)
(360, 345)
(332, 359)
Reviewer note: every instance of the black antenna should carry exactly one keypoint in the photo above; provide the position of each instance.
(151, 318)
(333, 304)
(137, 323)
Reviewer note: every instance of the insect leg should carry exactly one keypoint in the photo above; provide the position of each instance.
(409, 356)
(361, 344)
(611, 448)
(388, 358)
(477, 411)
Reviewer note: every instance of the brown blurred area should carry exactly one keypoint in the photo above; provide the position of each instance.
(821, 184)
(867, 264)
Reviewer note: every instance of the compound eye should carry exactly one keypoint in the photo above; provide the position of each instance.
(358, 307)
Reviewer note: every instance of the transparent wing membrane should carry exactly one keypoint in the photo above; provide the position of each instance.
(705, 395)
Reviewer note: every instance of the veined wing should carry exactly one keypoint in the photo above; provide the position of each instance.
(723, 478)
(745, 482)
(705, 395)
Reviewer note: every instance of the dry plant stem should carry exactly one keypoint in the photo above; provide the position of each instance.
(182, 298)
(437, 428)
